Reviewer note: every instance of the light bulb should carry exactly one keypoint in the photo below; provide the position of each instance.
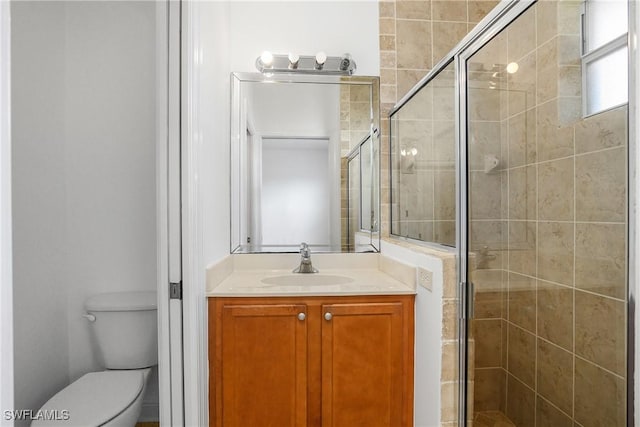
(266, 58)
(512, 67)
(293, 60)
(321, 58)
(345, 62)
(403, 152)
(414, 151)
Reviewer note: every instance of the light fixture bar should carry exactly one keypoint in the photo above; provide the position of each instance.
(306, 64)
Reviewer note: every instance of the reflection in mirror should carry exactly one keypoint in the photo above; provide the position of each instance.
(304, 163)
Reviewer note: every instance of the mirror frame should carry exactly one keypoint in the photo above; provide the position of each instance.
(236, 170)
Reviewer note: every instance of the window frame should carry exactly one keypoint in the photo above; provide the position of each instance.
(589, 56)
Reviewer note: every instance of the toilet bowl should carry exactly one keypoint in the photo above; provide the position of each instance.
(105, 398)
(125, 328)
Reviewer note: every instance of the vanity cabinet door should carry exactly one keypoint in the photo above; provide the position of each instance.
(264, 365)
(365, 376)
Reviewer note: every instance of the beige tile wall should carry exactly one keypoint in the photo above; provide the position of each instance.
(550, 285)
(549, 225)
(415, 35)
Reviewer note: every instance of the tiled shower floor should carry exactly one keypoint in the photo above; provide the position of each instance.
(491, 419)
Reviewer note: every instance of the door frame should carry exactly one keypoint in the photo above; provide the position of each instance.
(6, 260)
(169, 257)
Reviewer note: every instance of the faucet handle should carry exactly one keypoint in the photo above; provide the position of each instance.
(304, 250)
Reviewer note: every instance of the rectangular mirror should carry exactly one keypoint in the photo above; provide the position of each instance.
(304, 163)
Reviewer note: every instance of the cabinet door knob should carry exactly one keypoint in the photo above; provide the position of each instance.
(302, 316)
(328, 316)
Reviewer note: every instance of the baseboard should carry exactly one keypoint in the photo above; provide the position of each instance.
(150, 412)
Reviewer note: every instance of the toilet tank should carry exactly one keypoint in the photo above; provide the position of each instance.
(125, 328)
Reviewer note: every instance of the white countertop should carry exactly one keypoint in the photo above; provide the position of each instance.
(245, 276)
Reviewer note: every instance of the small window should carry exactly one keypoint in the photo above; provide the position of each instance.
(604, 55)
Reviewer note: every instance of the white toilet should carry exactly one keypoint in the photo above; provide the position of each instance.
(125, 328)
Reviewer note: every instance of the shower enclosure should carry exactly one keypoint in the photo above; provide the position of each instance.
(536, 124)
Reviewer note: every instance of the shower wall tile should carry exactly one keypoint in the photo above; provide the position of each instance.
(450, 10)
(599, 396)
(522, 138)
(547, 21)
(601, 186)
(548, 415)
(478, 9)
(485, 140)
(521, 401)
(601, 258)
(387, 26)
(488, 342)
(484, 104)
(555, 375)
(522, 247)
(444, 103)
(489, 389)
(444, 197)
(555, 190)
(602, 131)
(522, 86)
(387, 42)
(444, 232)
(522, 301)
(547, 71)
(488, 295)
(387, 9)
(555, 314)
(448, 34)
(522, 36)
(570, 81)
(555, 252)
(601, 331)
(568, 13)
(522, 193)
(413, 44)
(553, 141)
(485, 204)
(444, 143)
(413, 9)
(521, 358)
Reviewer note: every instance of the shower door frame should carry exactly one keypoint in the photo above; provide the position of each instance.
(497, 21)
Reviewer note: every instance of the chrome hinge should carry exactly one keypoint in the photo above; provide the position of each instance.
(467, 305)
(175, 290)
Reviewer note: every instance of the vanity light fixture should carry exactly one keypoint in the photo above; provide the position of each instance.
(268, 63)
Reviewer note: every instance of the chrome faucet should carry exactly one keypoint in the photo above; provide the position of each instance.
(305, 261)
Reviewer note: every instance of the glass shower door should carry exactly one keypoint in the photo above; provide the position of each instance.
(546, 231)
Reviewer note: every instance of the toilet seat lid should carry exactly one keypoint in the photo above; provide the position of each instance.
(96, 398)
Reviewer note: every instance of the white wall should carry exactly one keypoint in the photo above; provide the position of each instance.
(220, 37)
(205, 121)
(295, 192)
(84, 178)
(428, 335)
(305, 27)
(6, 288)
(41, 347)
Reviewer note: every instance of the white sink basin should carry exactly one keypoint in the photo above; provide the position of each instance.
(307, 280)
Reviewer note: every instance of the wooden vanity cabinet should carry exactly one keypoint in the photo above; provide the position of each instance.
(311, 361)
